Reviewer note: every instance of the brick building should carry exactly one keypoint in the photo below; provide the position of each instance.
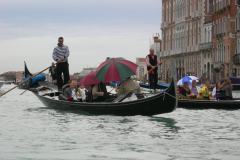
(224, 37)
(205, 46)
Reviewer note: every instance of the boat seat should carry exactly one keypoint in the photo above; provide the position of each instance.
(62, 97)
(139, 95)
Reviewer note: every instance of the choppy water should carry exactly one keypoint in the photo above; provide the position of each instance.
(29, 131)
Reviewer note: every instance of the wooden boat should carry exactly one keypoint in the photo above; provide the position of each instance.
(209, 104)
(163, 102)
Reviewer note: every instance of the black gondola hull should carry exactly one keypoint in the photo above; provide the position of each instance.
(161, 103)
(209, 104)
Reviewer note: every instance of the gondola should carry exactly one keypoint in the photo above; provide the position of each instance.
(163, 102)
(209, 104)
(160, 85)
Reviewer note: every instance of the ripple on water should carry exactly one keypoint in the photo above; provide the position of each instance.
(29, 130)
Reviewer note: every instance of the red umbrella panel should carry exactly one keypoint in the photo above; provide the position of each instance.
(115, 69)
(89, 79)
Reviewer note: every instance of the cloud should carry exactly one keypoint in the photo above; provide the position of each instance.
(93, 29)
(81, 12)
(88, 46)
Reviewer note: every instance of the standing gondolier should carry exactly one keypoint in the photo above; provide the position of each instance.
(152, 67)
(60, 55)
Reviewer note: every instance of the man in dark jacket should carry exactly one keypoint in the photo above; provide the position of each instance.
(152, 67)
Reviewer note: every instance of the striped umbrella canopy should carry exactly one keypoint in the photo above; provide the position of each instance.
(115, 69)
(89, 79)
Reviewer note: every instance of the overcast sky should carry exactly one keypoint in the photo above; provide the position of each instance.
(93, 30)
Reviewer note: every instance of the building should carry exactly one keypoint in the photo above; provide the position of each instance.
(236, 58)
(181, 38)
(205, 46)
(224, 37)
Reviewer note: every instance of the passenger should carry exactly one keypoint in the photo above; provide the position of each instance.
(194, 90)
(79, 93)
(99, 92)
(127, 86)
(88, 93)
(204, 91)
(68, 91)
(185, 90)
(227, 88)
(216, 93)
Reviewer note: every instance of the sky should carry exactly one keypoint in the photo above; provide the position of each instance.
(92, 29)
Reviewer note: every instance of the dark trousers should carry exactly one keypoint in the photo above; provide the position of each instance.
(153, 80)
(62, 68)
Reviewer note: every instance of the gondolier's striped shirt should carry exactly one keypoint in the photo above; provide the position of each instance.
(60, 53)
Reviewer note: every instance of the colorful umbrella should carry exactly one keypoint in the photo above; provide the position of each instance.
(115, 69)
(89, 79)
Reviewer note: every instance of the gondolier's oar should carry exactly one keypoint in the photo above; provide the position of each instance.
(24, 81)
(23, 92)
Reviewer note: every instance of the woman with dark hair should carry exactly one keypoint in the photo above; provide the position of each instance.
(227, 88)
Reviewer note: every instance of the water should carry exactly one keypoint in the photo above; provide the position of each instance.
(29, 131)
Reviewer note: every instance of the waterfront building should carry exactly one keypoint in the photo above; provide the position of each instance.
(181, 37)
(236, 58)
(205, 46)
(224, 37)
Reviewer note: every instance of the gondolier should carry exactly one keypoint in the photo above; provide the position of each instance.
(60, 55)
(152, 67)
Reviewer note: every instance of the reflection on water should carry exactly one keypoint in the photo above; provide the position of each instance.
(169, 123)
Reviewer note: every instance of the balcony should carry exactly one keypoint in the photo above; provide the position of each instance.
(236, 59)
(219, 35)
(205, 46)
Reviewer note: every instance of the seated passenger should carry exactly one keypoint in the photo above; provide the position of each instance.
(99, 92)
(79, 93)
(127, 86)
(88, 93)
(194, 90)
(204, 91)
(67, 93)
(216, 92)
(227, 89)
(184, 90)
